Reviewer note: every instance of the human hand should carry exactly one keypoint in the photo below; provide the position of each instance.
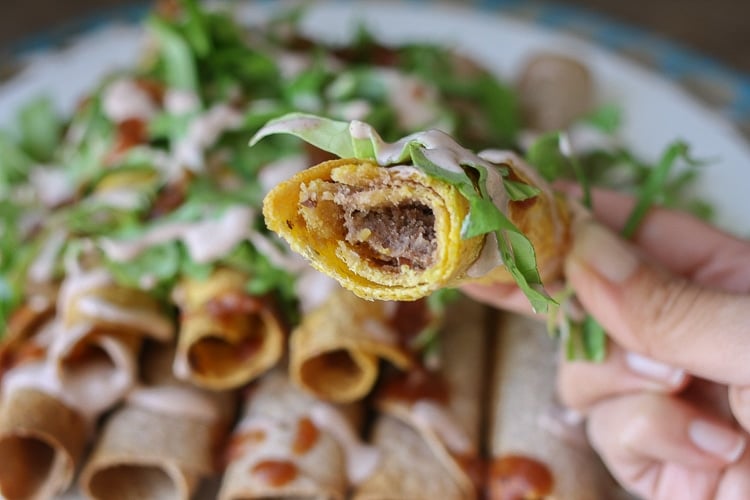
(675, 302)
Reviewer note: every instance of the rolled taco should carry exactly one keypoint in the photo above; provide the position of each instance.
(538, 449)
(289, 445)
(428, 431)
(398, 221)
(41, 437)
(227, 336)
(97, 336)
(162, 441)
(336, 351)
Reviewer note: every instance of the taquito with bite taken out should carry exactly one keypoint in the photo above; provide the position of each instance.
(428, 430)
(290, 445)
(399, 221)
(163, 439)
(538, 449)
(336, 351)
(227, 336)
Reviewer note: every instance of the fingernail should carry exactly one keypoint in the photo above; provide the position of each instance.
(654, 370)
(717, 440)
(605, 252)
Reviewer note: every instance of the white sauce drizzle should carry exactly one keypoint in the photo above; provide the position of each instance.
(176, 401)
(361, 459)
(155, 324)
(313, 288)
(280, 170)
(124, 99)
(79, 283)
(413, 100)
(202, 133)
(52, 185)
(43, 268)
(181, 101)
(356, 109)
(124, 198)
(379, 331)
(205, 240)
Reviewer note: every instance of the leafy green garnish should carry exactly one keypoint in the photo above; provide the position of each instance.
(178, 60)
(40, 129)
(655, 183)
(606, 118)
(548, 157)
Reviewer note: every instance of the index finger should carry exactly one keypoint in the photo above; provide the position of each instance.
(678, 241)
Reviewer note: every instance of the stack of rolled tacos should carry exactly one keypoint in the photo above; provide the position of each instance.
(61, 370)
(162, 441)
(227, 337)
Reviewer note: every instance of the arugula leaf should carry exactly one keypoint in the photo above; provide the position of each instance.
(549, 156)
(608, 118)
(328, 135)
(177, 57)
(655, 182)
(14, 162)
(40, 128)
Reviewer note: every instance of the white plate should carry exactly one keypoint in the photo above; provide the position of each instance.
(657, 111)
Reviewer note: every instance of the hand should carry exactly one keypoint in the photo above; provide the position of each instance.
(675, 302)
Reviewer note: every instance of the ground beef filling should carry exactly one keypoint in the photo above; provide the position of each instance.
(394, 235)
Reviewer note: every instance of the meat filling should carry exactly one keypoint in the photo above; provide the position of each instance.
(394, 235)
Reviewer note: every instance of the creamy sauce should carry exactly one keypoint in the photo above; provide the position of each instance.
(181, 101)
(280, 170)
(42, 270)
(202, 133)
(205, 240)
(313, 288)
(124, 198)
(489, 258)
(95, 385)
(79, 283)
(52, 185)
(292, 64)
(157, 325)
(361, 459)
(356, 109)
(440, 421)
(379, 332)
(290, 261)
(124, 99)
(413, 100)
(176, 401)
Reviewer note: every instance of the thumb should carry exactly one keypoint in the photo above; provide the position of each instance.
(652, 312)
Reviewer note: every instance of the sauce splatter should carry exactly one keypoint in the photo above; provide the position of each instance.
(516, 477)
(275, 473)
(306, 437)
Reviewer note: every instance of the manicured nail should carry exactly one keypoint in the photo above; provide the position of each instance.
(717, 440)
(601, 249)
(654, 370)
